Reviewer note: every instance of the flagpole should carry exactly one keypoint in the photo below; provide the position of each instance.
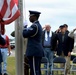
(19, 52)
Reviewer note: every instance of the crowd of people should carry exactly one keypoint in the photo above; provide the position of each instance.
(59, 43)
(43, 42)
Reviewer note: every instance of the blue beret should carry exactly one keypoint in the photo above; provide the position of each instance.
(34, 13)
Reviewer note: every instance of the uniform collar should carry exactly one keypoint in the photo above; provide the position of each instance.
(35, 21)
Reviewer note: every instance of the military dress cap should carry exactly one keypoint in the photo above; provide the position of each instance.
(34, 13)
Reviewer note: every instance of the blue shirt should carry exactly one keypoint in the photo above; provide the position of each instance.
(48, 42)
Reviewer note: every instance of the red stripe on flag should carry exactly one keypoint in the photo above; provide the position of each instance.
(12, 4)
(4, 8)
(16, 15)
(16, 1)
(9, 12)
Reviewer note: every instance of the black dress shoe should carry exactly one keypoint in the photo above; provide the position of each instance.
(5, 74)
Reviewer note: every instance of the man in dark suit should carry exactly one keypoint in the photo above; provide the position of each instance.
(71, 39)
(63, 46)
(47, 42)
(34, 50)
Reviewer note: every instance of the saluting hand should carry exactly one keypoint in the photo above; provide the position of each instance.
(74, 29)
(69, 54)
(44, 27)
(25, 24)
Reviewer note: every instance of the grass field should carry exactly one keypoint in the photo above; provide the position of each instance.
(11, 66)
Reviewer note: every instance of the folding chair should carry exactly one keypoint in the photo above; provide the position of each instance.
(72, 57)
(73, 66)
(56, 65)
(44, 61)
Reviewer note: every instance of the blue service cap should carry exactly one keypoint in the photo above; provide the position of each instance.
(34, 13)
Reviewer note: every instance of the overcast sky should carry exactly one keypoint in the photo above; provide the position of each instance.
(54, 12)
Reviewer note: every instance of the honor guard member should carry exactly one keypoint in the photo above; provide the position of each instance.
(34, 50)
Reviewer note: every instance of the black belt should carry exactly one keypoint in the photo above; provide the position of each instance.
(46, 46)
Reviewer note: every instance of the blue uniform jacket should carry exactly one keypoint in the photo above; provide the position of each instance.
(34, 35)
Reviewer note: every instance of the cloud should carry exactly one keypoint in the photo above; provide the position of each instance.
(56, 12)
(51, 3)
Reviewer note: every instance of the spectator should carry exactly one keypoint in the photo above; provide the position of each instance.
(72, 34)
(71, 39)
(63, 46)
(47, 42)
(4, 50)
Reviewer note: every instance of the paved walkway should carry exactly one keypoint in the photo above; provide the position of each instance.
(12, 53)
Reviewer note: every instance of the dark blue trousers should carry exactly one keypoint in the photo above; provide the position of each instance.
(35, 64)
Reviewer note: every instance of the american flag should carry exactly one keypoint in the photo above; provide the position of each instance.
(16, 1)
(8, 11)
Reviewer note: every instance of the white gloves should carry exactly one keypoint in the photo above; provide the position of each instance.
(25, 24)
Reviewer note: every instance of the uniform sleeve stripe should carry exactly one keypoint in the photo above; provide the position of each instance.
(36, 32)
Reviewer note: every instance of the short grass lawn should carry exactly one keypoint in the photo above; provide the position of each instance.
(11, 68)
